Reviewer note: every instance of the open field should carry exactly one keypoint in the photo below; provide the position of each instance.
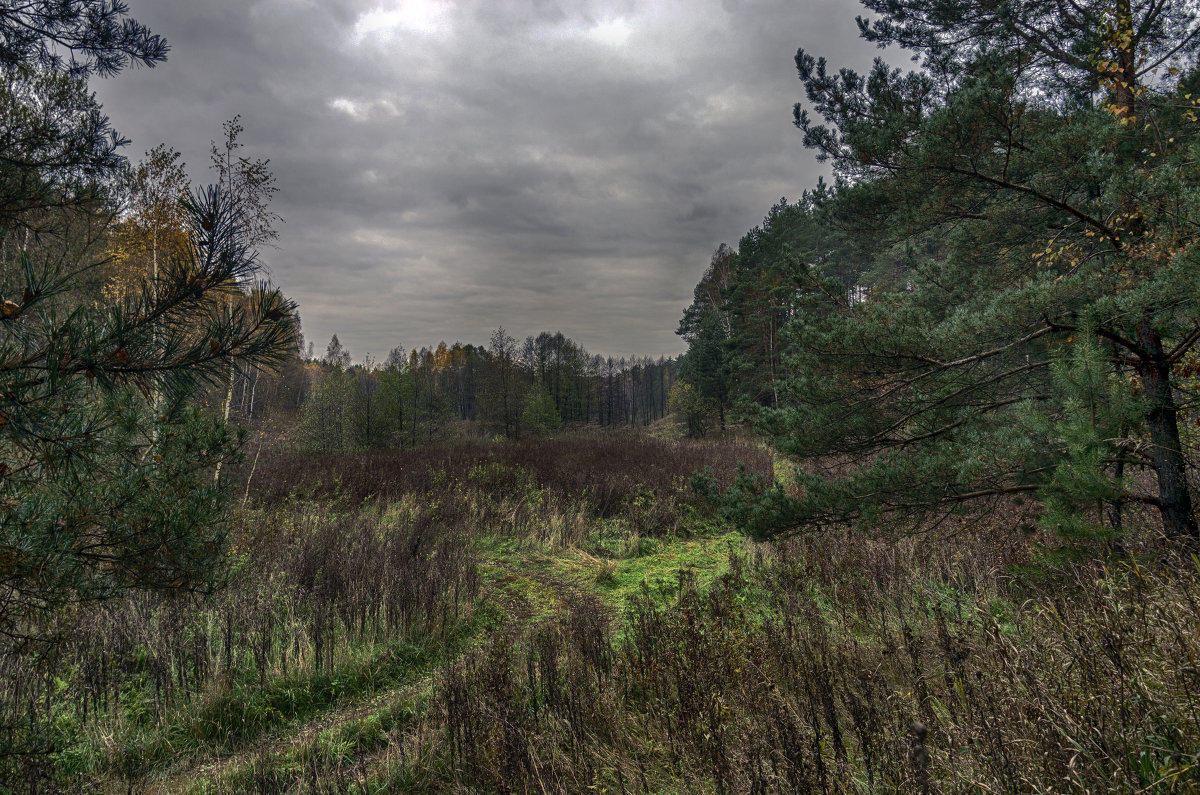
(567, 616)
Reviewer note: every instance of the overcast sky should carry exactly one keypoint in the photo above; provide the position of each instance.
(449, 167)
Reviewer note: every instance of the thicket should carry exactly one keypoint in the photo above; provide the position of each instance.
(603, 472)
(315, 604)
(833, 663)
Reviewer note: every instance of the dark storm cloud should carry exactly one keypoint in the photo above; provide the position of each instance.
(449, 167)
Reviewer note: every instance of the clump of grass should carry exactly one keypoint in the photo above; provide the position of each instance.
(601, 569)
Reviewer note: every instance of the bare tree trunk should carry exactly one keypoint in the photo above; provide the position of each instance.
(253, 390)
(155, 397)
(245, 387)
(228, 397)
(774, 376)
(1125, 77)
(1166, 453)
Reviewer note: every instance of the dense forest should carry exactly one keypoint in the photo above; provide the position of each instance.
(915, 511)
(997, 297)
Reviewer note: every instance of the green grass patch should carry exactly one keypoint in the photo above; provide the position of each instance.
(328, 757)
(538, 575)
(231, 719)
(674, 564)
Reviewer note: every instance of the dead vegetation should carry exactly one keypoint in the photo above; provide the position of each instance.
(475, 624)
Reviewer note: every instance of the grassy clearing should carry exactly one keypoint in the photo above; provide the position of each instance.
(639, 564)
(503, 626)
(344, 607)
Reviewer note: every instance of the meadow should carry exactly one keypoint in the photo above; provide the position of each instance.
(568, 615)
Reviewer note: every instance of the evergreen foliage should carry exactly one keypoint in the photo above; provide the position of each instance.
(104, 458)
(1022, 281)
(106, 467)
(77, 37)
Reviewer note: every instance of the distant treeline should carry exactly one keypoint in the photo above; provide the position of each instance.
(420, 396)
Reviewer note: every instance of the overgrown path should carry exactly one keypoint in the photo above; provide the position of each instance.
(526, 586)
(362, 590)
(526, 623)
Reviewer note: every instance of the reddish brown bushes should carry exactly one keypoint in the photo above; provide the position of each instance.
(604, 472)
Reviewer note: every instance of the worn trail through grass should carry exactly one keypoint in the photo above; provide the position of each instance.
(526, 585)
(561, 625)
(361, 590)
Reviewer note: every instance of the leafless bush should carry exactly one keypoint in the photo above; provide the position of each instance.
(607, 473)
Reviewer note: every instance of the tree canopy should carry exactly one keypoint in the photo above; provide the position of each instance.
(1007, 284)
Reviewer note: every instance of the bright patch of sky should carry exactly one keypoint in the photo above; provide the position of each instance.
(614, 32)
(347, 106)
(359, 109)
(423, 17)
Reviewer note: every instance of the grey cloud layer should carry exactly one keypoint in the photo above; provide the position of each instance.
(458, 166)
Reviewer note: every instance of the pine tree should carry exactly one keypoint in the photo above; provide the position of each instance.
(1010, 218)
(100, 493)
(105, 463)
